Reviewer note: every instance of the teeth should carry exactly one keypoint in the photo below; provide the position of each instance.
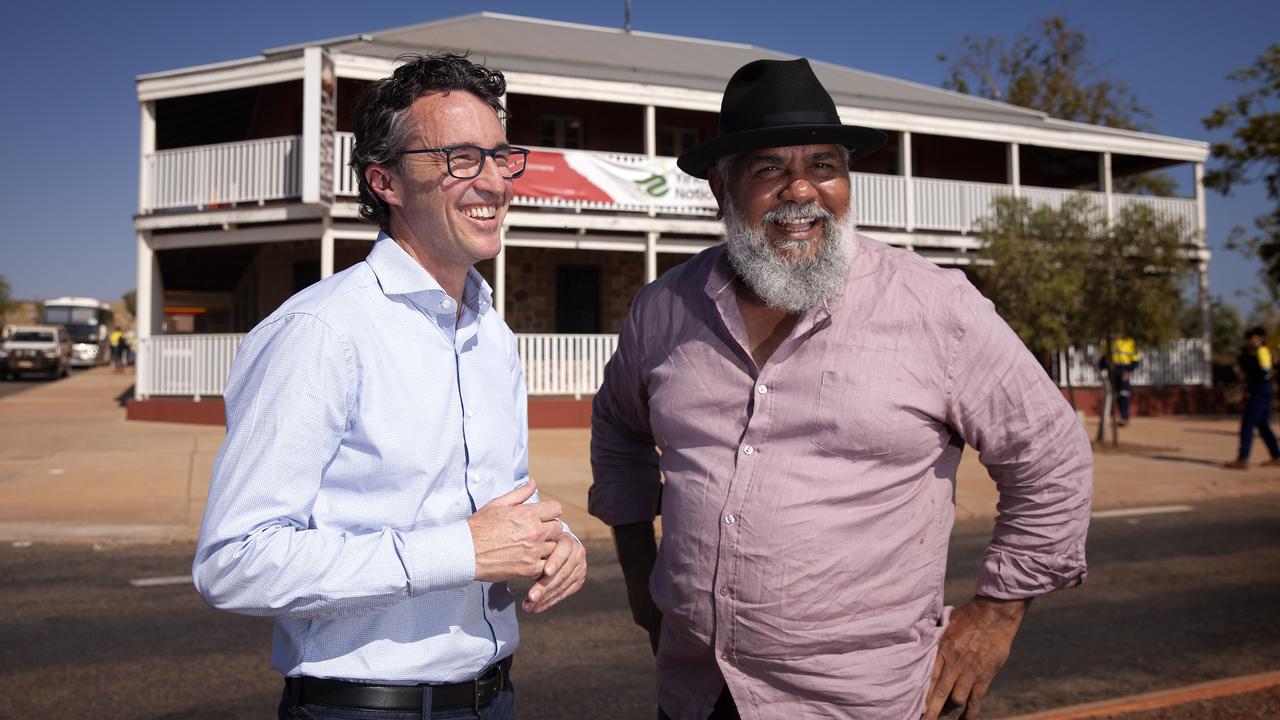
(486, 211)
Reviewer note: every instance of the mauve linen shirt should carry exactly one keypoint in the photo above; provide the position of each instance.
(807, 505)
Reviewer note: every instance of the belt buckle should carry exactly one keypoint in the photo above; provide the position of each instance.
(475, 685)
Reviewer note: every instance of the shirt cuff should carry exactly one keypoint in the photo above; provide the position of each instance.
(1008, 576)
(438, 558)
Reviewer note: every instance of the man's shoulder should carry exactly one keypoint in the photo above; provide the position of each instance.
(337, 301)
(901, 269)
(689, 276)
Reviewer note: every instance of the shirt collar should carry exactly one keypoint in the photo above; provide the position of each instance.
(399, 274)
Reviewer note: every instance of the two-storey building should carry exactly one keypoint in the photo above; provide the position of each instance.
(245, 195)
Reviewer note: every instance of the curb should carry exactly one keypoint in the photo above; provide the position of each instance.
(86, 532)
(1160, 699)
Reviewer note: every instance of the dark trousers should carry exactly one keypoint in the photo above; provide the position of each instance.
(725, 708)
(1257, 414)
(1122, 381)
(503, 707)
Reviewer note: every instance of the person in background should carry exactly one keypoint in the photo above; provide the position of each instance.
(1120, 364)
(118, 348)
(1254, 367)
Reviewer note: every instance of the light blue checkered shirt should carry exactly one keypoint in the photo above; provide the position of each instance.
(363, 428)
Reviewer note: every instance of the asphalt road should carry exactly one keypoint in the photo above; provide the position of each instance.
(1171, 599)
(26, 382)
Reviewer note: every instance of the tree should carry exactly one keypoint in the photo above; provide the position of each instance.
(1062, 277)
(1133, 275)
(1252, 153)
(1027, 266)
(1226, 327)
(130, 300)
(1050, 71)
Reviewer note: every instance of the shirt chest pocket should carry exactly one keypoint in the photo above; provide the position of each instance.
(857, 415)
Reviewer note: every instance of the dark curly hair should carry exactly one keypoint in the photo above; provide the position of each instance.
(382, 120)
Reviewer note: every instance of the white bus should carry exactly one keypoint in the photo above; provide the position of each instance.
(89, 323)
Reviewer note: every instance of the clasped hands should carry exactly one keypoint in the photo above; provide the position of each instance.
(514, 539)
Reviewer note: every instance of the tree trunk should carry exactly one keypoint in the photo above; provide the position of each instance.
(1071, 388)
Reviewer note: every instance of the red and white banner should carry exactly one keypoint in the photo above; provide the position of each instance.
(605, 180)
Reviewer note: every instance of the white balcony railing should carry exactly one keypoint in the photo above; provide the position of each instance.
(207, 176)
(197, 365)
(261, 170)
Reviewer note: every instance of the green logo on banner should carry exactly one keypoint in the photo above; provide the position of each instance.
(655, 185)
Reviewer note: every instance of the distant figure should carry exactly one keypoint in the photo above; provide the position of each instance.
(118, 348)
(1120, 364)
(1254, 367)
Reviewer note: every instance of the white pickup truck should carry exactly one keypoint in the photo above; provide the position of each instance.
(44, 349)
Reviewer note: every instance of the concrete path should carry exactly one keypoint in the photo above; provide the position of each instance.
(71, 467)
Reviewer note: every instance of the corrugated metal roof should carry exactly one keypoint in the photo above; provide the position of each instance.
(558, 48)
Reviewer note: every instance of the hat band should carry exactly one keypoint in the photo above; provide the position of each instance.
(794, 117)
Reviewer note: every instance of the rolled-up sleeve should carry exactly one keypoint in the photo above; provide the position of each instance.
(1003, 403)
(289, 400)
(626, 483)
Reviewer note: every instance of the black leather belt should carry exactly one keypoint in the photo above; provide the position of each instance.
(474, 694)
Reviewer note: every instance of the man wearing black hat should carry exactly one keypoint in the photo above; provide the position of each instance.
(810, 391)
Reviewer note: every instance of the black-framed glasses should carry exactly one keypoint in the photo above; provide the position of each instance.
(467, 161)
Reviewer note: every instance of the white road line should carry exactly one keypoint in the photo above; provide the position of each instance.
(1135, 512)
(161, 581)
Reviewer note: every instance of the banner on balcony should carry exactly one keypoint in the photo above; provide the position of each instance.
(624, 181)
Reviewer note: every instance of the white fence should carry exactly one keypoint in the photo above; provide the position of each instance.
(565, 364)
(224, 174)
(1182, 363)
(198, 365)
(190, 365)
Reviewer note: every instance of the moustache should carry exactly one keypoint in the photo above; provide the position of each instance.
(793, 212)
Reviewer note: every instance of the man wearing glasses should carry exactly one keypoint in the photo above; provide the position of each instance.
(372, 494)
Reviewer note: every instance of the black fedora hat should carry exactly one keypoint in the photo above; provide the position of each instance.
(776, 103)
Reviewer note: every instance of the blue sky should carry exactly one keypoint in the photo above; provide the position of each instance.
(69, 130)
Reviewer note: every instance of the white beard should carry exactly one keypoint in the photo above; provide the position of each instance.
(782, 282)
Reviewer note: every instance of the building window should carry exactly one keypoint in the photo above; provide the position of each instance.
(577, 299)
(561, 131)
(674, 140)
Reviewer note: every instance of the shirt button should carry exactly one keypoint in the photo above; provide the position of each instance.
(724, 657)
(730, 519)
(471, 413)
(762, 389)
(724, 589)
(446, 303)
(748, 450)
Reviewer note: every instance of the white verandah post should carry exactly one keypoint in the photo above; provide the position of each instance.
(909, 190)
(1202, 269)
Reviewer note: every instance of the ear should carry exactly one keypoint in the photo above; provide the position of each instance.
(382, 181)
(717, 189)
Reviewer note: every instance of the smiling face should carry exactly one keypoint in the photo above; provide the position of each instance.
(788, 229)
(446, 223)
(790, 194)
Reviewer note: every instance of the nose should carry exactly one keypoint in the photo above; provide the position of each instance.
(490, 177)
(800, 191)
